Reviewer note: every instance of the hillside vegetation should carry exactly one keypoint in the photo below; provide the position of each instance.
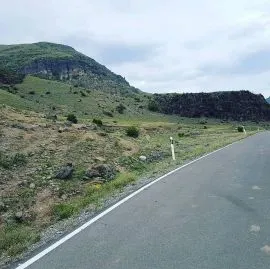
(59, 62)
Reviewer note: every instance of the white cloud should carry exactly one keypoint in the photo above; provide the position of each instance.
(191, 45)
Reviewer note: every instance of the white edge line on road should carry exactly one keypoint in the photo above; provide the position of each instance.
(99, 216)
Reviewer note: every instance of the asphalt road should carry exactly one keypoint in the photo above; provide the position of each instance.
(212, 214)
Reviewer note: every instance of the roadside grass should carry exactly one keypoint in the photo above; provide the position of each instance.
(93, 195)
(8, 161)
(14, 239)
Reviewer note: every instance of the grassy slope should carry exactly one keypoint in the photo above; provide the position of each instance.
(65, 98)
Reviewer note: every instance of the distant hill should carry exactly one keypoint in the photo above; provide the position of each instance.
(268, 100)
(57, 62)
(231, 105)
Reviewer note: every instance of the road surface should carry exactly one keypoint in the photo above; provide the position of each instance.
(212, 214)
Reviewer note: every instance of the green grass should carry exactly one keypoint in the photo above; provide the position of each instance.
(93, 194)
(8, 161)
(63, 211)
(15, 239)
(16, 101)
(64, 99)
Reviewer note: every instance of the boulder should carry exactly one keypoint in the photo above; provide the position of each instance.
(142, 158)
(155, 156)
(65, 172)
(105, 171)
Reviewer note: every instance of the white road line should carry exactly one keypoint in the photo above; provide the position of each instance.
(87, 224)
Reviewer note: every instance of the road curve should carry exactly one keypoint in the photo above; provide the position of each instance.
(212, 214)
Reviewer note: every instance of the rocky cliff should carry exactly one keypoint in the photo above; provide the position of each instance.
(231, 105)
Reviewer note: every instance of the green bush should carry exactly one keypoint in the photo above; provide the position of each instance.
(7, 161)
(183, 135)
(120, 108)
(240, 129)
(82, 94)
(72, 118)
(63, 211)
(32, 92)
(14, 239)
(98, 122)
(108, 113)
(152, 106)
(132, 131)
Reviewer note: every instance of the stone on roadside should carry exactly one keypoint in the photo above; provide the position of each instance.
(65, 172)
(142, 158)
(105, 171)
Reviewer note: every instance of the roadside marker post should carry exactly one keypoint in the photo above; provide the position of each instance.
(172, 148)
(244, 130)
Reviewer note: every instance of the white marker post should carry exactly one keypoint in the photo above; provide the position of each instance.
(172, 148)
(244, 130)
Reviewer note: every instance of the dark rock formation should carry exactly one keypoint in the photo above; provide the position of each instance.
(65, 172)
(231, 105)
(105, 171)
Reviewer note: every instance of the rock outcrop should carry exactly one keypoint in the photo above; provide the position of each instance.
(231, 105)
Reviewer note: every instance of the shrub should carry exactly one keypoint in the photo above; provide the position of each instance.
(132, 131)
(120, 108)
(183, 135)
(108, 113)
(63, 211)
(47, 92)
(32, 92)
(152, 106)
(7, 161)
(72, 118)
(14, 239)
(98, 122)
(82, 94)
(240, 129)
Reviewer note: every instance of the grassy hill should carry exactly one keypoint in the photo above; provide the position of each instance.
(59, 62)
(60, 98)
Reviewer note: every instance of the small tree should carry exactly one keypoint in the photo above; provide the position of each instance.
(120, 108)
(132, 131)
(98, 122)
(72, 118)
(240, 129)
(152, 106)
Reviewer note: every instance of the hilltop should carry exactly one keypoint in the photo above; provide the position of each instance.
(57, 62)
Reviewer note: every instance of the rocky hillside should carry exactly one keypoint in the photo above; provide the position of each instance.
(57, 62)
(241, 105)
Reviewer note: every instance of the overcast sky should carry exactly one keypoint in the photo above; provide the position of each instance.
(157, 45)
